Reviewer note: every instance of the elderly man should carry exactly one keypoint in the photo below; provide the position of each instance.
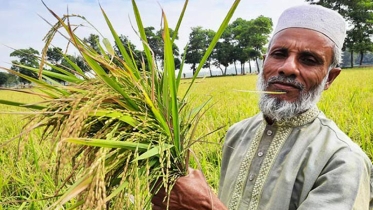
(289, 156)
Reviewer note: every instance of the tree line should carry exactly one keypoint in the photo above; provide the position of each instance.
(243, 42)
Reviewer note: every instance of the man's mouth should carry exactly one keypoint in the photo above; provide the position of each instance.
(283, 86)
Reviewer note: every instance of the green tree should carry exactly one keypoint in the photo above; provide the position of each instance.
(27, 57)
(209, 36)
(223, 55)
(359, 15)
(131, 50)
(249, 38)
(156, 43)
(3, 78)
(253, 55)
(228, 50)
(368, 58)
(11, 80)
(175, 48)
(199, 39)
(93, 41)
(78, 60)
(54, 55)
(258, 31)
(337, 5)
(241, 42)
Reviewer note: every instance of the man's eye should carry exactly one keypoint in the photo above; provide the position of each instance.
(309, 60)
(278, 54)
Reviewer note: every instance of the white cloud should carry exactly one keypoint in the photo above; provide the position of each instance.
(21, 27)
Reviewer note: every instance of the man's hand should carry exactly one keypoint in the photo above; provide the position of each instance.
(189, 192)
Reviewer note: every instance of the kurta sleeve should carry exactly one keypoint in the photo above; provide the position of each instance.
(344, 184)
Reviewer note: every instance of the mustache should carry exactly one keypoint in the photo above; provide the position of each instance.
(286, 80)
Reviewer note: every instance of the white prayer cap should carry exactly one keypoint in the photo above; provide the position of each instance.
(314, 17)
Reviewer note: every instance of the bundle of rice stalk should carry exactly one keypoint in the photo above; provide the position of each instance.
(122, 131)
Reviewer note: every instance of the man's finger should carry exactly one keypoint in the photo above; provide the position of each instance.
(157, 208)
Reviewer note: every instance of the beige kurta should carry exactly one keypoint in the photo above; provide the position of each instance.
(303, 163)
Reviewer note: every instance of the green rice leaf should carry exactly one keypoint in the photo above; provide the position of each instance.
(74, 190)
(59, 69)
(131, 65)
(117, 115)
(178, 79)
(76, 205)
(171, 84)
(108, 46)
(119, 189)
(108, 143)
(101, 74)
(140, 26)
(157, 114)
(153, 152)
(77, 69)
(39, 82)
(67, 78)
(179, 21)
(102, 51)
(19, 104)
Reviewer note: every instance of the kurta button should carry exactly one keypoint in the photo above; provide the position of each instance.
(260, 154)
(269, 132)
(251, 177)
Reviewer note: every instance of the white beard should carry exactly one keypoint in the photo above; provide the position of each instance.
(277, 109)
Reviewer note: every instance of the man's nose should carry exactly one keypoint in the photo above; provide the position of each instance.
(289, 68)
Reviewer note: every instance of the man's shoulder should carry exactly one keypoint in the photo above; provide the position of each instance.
(337, 137)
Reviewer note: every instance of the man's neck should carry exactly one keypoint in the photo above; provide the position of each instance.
(294, 120)
(269, 120)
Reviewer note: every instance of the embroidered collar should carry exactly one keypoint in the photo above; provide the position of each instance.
(299, 120)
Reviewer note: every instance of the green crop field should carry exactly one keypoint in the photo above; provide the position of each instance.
(26, 178)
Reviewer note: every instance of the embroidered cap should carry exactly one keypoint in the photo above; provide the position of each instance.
(314, 17)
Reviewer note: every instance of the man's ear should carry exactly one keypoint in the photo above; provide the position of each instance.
(333, 73)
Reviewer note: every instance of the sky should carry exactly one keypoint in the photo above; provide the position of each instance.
(22, 27)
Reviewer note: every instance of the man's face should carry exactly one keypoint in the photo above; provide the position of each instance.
(297, 63)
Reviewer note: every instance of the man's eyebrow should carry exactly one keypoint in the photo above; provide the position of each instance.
(281, 48)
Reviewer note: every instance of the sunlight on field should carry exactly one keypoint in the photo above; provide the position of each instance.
(25, 164)
(26, 169)
(349, 103)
